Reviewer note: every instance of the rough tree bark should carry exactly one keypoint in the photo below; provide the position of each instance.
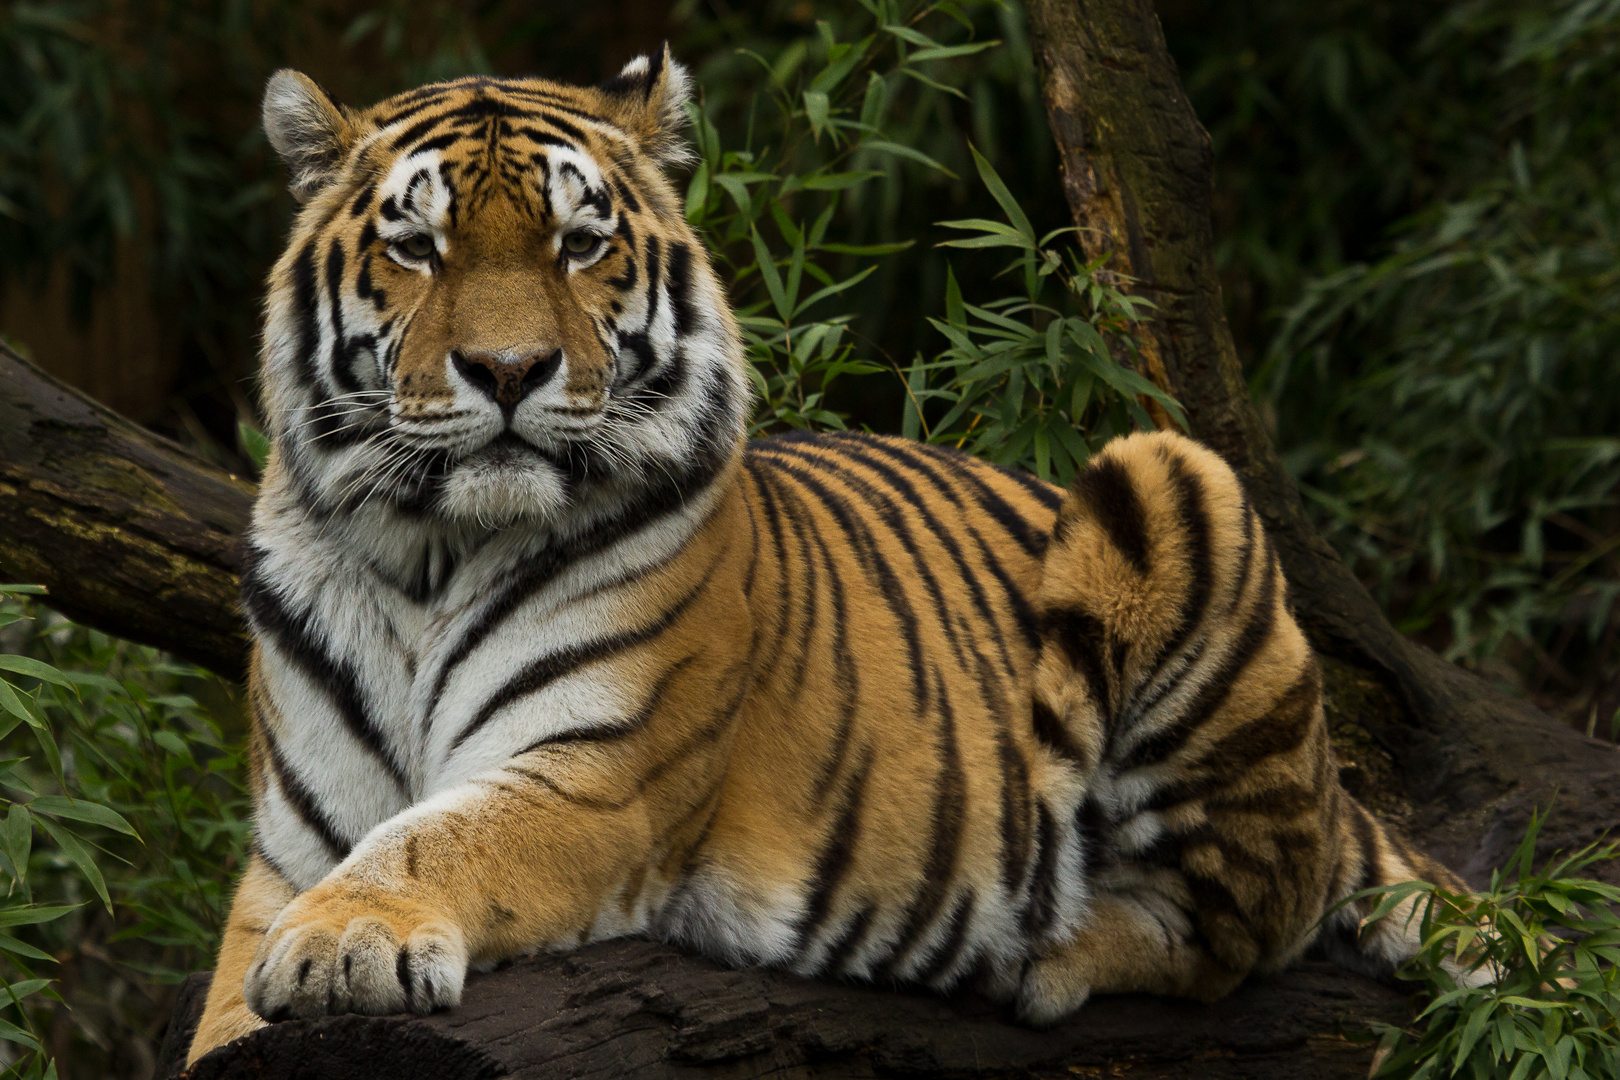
(135, 536)
(1137, 173)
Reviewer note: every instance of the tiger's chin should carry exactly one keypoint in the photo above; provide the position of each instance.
(499, 490)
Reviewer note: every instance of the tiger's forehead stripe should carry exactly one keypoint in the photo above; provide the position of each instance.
(500, 101)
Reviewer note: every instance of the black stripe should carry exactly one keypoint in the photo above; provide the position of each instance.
(417, 130)
(1211, 896)
(1095, 836)
(1218, 686)
(903, 486)
(303, 311)
(1281, 729)
(541, 672)
(1106, 489)
(771, 501)
(846, 674)
(1083, 639)
(950, 805)
(807, 595)
(295, 635)
(845, 944)
(1366, 833)
(303, 801)
(949, 951)
(1192, 521)
(833, 860)
(1048, 495)
(1240, 856)
(339, 356)
(680, 287)
(628, 196)
(1049, 729)
(629, 726)
(1040, 903)
(895, 521)
(753, 551)
(1014, 808)
(1032, 538)
(670, 491)
(903, 452)
(440, 142)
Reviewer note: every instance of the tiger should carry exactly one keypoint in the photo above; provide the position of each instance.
(547, 651)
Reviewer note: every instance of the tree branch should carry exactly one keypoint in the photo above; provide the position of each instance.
(131, 533)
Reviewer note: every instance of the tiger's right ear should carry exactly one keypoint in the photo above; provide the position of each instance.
(308, 130)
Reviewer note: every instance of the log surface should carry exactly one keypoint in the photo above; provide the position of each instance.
(637, 1008)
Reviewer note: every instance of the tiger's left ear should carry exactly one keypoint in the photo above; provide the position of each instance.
(648, 99)
(308, 129)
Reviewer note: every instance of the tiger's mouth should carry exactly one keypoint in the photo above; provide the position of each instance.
(507, 450)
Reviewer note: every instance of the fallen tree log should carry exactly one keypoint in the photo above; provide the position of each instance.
(636, 1008)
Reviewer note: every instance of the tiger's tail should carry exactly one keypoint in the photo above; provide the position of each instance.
(1373, 854)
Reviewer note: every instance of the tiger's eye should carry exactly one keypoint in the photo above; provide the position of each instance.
(417, 245)
(580, 242)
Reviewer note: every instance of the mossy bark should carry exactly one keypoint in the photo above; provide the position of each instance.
(1137, 173)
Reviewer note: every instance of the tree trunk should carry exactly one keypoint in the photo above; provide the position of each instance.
(636, 1008)
(1137, 173)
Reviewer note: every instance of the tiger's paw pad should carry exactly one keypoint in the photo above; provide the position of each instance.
(322, 959)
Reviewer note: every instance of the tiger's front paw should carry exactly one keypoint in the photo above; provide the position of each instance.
(340, 948)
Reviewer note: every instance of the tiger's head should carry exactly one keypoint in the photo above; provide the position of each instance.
(492, 308)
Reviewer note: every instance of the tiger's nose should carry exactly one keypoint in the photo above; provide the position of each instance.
(504, 380)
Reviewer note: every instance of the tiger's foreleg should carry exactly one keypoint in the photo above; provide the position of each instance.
(553, 849)
(259, 899)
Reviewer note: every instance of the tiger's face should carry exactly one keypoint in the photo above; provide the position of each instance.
(492, 307)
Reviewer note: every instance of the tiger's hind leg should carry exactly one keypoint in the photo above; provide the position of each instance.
(1132, 942)
(1174, 679)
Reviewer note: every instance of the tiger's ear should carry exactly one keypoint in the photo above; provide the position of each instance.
(308, 130)
(648, 99)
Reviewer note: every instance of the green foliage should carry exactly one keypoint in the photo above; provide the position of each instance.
(1018, 380)
(1028, 384)
(97, 735)
(1441, 390)
(1548, 939)
(768, 205)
